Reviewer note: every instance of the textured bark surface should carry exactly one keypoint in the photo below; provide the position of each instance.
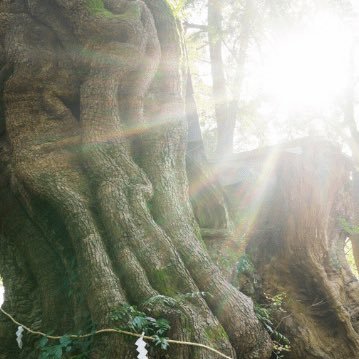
(297, 244)
(94, 208)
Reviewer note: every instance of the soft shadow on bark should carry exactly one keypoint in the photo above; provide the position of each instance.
(94, 196)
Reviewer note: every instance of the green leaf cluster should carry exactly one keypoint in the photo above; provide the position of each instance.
(264, 315)
(178, 6)
(131, 319)
(66, 347)
(54, 351)
(244, 264)
(348, 227)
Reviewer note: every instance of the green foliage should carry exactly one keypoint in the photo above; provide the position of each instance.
(54, 351)
(277, 301)
(348, 250)
(161, 342)
(348, 227)
(97, 7)
(264, 314)
(66, 347)
(131, 319)
(177, 6)
(244, 264)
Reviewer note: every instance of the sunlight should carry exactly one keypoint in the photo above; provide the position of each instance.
(308, 66)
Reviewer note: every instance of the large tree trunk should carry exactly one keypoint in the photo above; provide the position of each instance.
(299, 194)
(94, 208)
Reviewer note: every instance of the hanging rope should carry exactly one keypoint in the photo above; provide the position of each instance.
(111, 330)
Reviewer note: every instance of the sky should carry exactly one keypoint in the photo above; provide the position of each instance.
(304, 73)
(300, 72)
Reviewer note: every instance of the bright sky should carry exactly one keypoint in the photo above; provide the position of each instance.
(305, 70)
(300, 70)
(308, 66)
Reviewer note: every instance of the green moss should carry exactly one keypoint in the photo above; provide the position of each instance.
(164, 280)
(97, 7)
(216, 333)
(197, 233)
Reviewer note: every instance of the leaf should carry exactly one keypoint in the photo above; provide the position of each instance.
(139, 322)
(43, 341)
(163, 323)
(162, 342)
(53, 352)
(151, 319)
(280, 338)
(58, 352)
(162, 326)
(65, 341)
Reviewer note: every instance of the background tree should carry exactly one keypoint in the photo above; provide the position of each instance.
(256, 55)
(295, 234)
(224, 38)
(294, 264)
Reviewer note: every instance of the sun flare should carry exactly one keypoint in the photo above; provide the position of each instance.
(308, 66)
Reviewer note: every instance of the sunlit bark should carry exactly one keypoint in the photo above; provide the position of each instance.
(297, 247)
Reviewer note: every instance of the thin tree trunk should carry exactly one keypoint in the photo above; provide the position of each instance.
(245, 35)
(225, 124)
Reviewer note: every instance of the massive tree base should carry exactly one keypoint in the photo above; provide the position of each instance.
(94, 208)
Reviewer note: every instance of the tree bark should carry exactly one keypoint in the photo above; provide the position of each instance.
(206, 195)
(94, 196)
(297, 248)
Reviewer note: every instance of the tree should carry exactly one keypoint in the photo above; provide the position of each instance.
(225, 124)
(353, 141)
(225, 33)
(296, 196)
(94, 210)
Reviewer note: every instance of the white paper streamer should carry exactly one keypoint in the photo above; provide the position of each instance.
(19, 332)
(141, 348)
